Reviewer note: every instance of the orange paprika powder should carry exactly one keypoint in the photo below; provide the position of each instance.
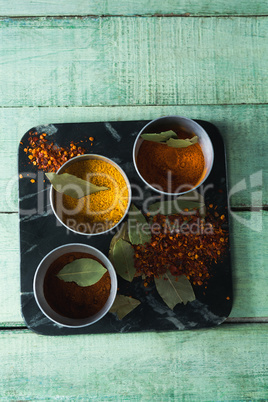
(158, 162)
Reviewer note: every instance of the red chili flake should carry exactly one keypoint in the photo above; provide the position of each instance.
(185, 253)
(46, 155)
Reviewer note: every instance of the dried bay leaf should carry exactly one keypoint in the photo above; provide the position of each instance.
(121, 234)
(123, 305)
(179, 143)
(177, 205)
(170, 139)
(194, 139)
(159, 137)
(123, 259)
(174, 290)
(138, 228)
(73, 186)
(83, 271)
(195, 196)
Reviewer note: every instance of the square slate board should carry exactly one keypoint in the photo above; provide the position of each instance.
(40, 233)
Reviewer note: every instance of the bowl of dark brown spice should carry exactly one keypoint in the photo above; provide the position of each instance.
(173, 155)
(75, 285)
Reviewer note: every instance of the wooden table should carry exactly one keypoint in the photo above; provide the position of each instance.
(81, 61)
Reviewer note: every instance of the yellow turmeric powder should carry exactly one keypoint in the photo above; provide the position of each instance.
(96, 212)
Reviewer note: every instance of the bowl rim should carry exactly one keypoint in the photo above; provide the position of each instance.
(108, 265)
(108, 160)
(148, 184)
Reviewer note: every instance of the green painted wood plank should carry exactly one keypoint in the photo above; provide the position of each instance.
(133, 61)
(249, 261)
(227, 363)
(249, 267)
(239, 125)
(10, 270)
(130, 7)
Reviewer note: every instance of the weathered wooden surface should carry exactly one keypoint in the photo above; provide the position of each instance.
(132, 7)
(227, 363)
(101, 68)
(133, 61)
(238, 124)
(249, 258)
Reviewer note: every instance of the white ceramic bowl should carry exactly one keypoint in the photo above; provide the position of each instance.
(169, 123)
(38, 285)
(86, 157)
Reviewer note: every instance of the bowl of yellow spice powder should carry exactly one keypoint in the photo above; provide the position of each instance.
(100, 211)
(173, 155)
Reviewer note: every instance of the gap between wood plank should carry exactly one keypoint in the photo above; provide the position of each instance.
(228, 322)
(184, 15)
(133, 105)
(250, 209)
(245, 320)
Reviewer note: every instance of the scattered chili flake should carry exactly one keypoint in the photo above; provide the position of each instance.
(190, 253)
(20, 176)
(91, 138)
(48, 156)
(32, 181)
(227, 298)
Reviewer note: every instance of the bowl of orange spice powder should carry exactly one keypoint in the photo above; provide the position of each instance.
(173, 169)
(101, 211)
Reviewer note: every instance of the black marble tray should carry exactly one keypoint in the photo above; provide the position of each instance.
(40, 233)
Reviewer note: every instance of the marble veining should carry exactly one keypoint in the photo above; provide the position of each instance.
(38, 319)
(177, 324)
(117, 160)
(41, 232)
(30, 249)
(26, 196)
(49, 129)
(206, 313)
(35, 216)
(113, 132)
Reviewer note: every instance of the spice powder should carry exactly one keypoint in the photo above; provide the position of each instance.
(157, 162)
(99, 211)
(70, 299)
